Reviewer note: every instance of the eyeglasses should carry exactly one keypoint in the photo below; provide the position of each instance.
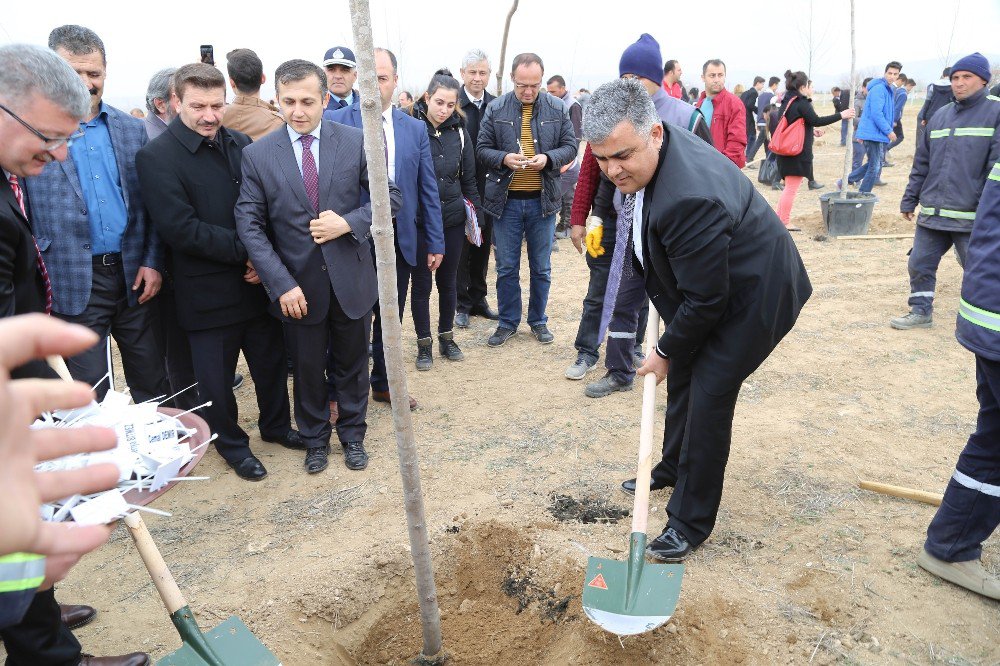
(48, 144)
(527, 86)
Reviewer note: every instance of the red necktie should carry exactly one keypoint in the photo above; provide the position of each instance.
(38, 253)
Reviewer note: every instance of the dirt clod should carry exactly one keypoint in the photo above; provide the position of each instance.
(567, 508)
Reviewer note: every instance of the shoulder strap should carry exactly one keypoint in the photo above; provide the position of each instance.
(788, 106)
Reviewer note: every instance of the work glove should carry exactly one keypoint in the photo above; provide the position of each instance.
(595, 234)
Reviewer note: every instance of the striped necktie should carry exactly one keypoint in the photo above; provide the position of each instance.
(621, 262)
(19, 195)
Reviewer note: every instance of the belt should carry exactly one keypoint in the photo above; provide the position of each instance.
(944, 212)
(108, 259)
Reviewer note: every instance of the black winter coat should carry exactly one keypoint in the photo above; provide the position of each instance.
(801, 107)
(454, 165)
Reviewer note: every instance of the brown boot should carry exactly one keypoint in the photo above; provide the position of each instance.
(75, 617)
(134, 659)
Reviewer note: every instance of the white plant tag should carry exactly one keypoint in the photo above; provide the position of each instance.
(101, 510)
(165, 473)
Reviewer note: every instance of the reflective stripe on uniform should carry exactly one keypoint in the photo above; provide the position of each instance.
(621, 335)
(978, 316)
(944, 212)
(974, 131)
(918, 294)
(995, 174)
(21, 571)
(940, 134)
(972, 484)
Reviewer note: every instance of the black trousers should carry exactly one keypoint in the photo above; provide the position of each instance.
(176, 350)
(472, 268)
(696, 439)
(444, 277)
(347, 339)
(379, 375)
(216, 352)
(133, 328)
(41, 639)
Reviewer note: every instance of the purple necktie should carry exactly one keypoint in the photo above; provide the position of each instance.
(621, 262)
(310, 177)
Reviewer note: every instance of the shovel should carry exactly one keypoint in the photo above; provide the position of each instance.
(633, 597)
(229, 644)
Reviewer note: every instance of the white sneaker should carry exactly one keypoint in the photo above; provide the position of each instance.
(971, 575)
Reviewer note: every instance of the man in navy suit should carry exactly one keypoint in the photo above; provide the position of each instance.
(341, 74)
(418, 224)
(104, 259)
(307, 232)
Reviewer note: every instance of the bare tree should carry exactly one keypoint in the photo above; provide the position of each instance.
(849, 153)
(503, 48)
(814, 40)
(385, 254)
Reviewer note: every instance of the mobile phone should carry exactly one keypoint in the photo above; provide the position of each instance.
(207, 54)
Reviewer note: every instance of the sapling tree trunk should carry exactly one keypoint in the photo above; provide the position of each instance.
(848, 158)
(503, 48)
(385, 261)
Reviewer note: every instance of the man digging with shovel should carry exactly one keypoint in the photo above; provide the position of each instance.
(722, 272)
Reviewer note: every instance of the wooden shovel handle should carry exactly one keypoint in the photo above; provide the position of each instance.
(640, 509)
(158, 571)
(900, 491)
(58, 363)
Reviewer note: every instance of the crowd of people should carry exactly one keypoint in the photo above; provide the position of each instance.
(215, 227)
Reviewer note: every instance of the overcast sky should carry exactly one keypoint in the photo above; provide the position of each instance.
(582, 40)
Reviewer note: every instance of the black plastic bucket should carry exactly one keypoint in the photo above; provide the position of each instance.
(848, 215)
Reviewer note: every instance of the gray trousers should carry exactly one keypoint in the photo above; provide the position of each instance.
(133, 328)
(929, 245)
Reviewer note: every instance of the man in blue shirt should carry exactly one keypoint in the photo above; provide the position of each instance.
(88, 217)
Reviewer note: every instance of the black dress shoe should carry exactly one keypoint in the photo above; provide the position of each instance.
(75, 617)
(629, 486)
(249, 468)
(671, 546)
(355, 456)
(237, 381)
(462, 319)
(289, 440)
(317, 459)
(483, 309)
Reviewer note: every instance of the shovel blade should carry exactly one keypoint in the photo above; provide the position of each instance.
(632, 597)
(234, 644)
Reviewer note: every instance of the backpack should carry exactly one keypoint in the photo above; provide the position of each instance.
(787, 139)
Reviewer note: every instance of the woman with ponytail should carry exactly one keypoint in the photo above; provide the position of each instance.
(455, 167)
(797, 104)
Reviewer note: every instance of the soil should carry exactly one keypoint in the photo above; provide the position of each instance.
(802, 566)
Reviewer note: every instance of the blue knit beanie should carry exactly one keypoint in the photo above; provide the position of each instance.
(975, 63)
(642, 59)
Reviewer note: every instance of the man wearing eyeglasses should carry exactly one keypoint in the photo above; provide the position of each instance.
(104, 260)
(41, 104)
(524, 140)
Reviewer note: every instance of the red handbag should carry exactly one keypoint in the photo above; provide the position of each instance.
(787, 139)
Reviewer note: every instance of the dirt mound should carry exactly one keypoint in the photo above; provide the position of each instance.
(501, 602)
(566, 508)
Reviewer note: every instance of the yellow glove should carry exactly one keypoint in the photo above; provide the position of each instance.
(595, 234)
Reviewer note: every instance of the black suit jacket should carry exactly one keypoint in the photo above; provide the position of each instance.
(22, 290)
(473, 119)
(721, 269)
(190, 190)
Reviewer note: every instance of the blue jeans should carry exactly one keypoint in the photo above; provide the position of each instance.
(857, 155)
(843, 132)
(869, 172)
(523, 219)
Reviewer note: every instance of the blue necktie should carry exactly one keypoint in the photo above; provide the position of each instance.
(621, 262)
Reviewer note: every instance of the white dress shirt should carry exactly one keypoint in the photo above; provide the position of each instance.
(293, 136)
(478, 101)
(390, 141)
(637, 225)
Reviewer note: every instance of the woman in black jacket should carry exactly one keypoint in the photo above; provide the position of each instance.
(455, 167)
(798, 104)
